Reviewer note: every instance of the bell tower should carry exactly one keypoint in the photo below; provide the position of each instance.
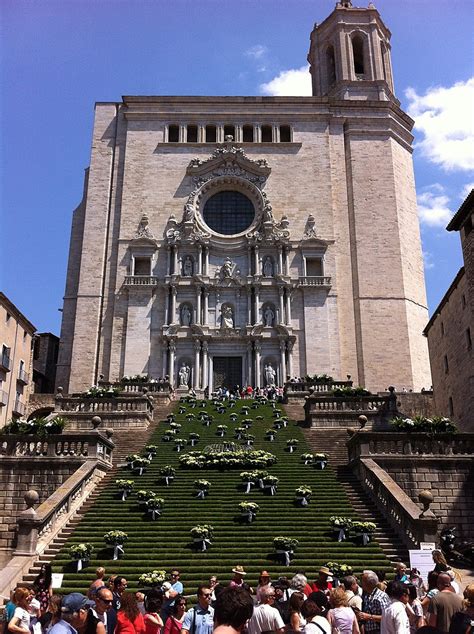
(349, 55)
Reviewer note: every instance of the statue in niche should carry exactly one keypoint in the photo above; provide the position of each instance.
(187, 266)
(270, 374)
(227, 268)
(227, 317)
(184, 374)
(268, 267)
(185, 315)
(268, 316)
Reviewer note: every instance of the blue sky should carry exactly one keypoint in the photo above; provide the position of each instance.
(59, 57)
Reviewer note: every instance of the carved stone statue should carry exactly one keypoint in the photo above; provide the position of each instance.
(268, 267)
(185, 315)
(184, 374)
(187, 266)
(226, 269)
(227, 317)
(270, 374)
(143, 230)
(268, 316)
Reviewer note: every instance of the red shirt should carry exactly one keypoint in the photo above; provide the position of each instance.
(319, 586)
(125, 626)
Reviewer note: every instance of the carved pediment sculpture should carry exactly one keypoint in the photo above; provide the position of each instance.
(228, 273)
(143, 235)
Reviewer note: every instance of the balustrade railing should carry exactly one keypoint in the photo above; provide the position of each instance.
(99, 405)
(141, 280)
(367, 403)
(313, 386)
(404, 515)
(314, 280)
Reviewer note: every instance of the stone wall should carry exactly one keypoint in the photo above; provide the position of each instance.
(412, 403)
(16, 477)
(451, 481)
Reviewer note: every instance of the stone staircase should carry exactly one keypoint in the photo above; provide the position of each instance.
(126, 442)
(333, 443)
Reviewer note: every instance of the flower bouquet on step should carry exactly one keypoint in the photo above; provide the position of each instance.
(168, 435)
(270, 484)
(193, 438)
(248, 439)
(167, 473)
(81, 553)
(341, 526)
(320, 460)
(339, 571)
(177, 426)
(303, 495)
(181, 409)
(125, 487)
(260, 474)
(171, 418)
(152, 579)
(190, 417)
(179, 443)
(361, 531)
(239, 432)
(116, 539)
(247, 423)
(140, 465)
(270, 434)
(292, 443)
(277, 424)
(130, 460)
(248, 510)
(202, 535)
(202, 488)
(233, 417)
(154, 507)
(249, 479)
(144, 495)
(151, 450)
(276, 413)
(221, 430)
(245, 410)
(284, 421)
(207, 420)
(285, 546)
(307, 458)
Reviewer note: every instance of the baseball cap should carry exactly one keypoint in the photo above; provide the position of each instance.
(74, 602)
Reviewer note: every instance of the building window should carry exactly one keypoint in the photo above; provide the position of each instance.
(142, 266)
(192, 135)
(314, 267)
(228, 212)
(173, 133)
(247, 133)
(446, 365)
(468, 338)
(267, 134)
(211, 134)
(285, 134)
(450, 406)
(7, 317)
(358, 55)
(229, 130)
(25, 334)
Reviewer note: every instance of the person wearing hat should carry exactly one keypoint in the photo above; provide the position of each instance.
(74, 612)
(323, 582)
(264, 581)
(238, 579)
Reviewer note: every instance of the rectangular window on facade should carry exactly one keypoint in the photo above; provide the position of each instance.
(247, 133)
(142, 266)
(314, 267)
(192, 134)
(285, 134)
(229, 130)
(267, 134)
(446, 365)
(173, 133)
(468, 339)
(211, 134)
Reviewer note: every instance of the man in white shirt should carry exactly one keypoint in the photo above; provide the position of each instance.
(266, 618)
(395, 617)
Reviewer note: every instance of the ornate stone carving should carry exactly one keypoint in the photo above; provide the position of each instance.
(228, 271)
(310, 230)
(143, 230)
(227, 317)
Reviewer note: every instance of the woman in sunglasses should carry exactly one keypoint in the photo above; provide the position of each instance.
(174, 622)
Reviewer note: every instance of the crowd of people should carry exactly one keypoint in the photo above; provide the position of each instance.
(351, 605)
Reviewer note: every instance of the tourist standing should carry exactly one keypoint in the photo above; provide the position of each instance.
(444, 605)
(129, 618)
(20, 621)
(237, 580)
(43, 586)
(314, 610)
(174, 622)
(341, 617)
(234, 607)
(265, 617)
(297, 620)
(200, 618)
(264, 582)
(395, 617)
(374, 602)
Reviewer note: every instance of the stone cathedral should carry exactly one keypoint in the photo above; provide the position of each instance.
(245, 240)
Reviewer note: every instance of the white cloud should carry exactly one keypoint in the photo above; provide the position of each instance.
(257, 51)
(466, 190)
(444, 117)
(428, 260)
(295, 82)
(433, 207)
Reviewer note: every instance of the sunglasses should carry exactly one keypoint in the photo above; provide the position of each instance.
(105, 600)
(206, 595)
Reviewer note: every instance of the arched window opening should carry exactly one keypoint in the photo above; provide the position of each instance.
(358, 55)
(247, 133)
(192, 134)
(173, 133)
(211, 134)
(229, 130)
(267, 136)
(285, 134)
(330, 65)
(228, 212)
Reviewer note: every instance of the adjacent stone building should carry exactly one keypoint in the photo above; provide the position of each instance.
(45, 357)
(242, 240)
(16, 339)
(450, 332)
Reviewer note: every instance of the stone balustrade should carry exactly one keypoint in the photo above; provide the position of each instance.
(134, 409)
(405, 517)
(296, 387)
(90, 445)
(402, 445)
(141, 280)
(314, 280)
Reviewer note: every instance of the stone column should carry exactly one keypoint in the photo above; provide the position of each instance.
(282, 363)
(201, 133)
(182, 133)
(167, 304)
(172, 358)
(206, 260)
(257, 267)
(168, 251)
(289, 346)
(198, 304)
(211, 375)
(288, 307)
(249, 363)
(164, 362)
(282, 309)
(205, 320)
(175, 260)
(174, 292)
(249, 260)
(257, 133)
(197, 365)
(275, 134)
(205, 353)
(280, 259)
(249, 305)
(257, 306)
(257, 363)
(199, 260)
(287, 261)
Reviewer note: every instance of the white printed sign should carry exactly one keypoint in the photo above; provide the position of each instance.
(423, 561)
(57, 579)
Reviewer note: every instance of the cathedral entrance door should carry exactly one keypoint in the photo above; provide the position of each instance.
(227, 372)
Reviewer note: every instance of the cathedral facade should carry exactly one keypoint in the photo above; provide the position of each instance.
(245, 240)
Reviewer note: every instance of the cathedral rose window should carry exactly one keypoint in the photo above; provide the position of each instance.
(228, 212)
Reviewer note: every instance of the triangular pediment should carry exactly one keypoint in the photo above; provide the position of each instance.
(228, 160)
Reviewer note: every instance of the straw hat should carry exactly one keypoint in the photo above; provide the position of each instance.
(239, 570)
(325, 571)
